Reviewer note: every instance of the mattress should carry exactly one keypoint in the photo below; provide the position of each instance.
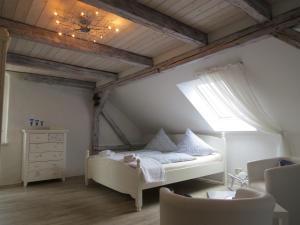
(200, 160)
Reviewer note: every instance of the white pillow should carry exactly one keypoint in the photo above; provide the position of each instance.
(161, 142)
(193, 145)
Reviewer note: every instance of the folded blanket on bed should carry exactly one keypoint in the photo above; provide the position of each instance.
(152, 170)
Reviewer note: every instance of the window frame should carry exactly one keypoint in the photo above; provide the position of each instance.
(192, 91)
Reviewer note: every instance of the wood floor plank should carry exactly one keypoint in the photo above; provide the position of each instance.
(72, 203)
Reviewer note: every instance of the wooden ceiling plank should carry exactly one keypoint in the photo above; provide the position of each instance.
(33, 33)
(15, 61)
(260, 10)
(22, 10)
(35, 11)
(279, 23)
(146, 16)
(289, 36)
(9, 8)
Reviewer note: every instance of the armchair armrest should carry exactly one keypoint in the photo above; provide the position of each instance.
(278, 177)
(257, 168)
(283, 183)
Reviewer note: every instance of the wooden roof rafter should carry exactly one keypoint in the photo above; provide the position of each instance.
(17, 63)
(56, 80)
(260, 10)
(146, 16)
(279, 23)
(41, 35)
(290, 36)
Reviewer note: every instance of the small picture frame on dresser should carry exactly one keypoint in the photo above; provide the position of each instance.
(44, 155)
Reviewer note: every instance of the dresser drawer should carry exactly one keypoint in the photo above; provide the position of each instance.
(56, 137)
(46, 165)
(35, 175)
(47, 147)
(38, 138)
(46, 156)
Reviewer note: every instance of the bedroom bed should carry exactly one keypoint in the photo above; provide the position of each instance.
(128, 180)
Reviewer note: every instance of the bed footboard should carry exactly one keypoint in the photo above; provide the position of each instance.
(116, 175)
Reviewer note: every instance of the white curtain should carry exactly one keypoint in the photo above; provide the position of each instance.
(230, 84)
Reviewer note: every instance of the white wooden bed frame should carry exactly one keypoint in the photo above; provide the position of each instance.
(127, 180)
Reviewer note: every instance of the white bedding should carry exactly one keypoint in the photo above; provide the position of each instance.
(153, 170)
(215, 157)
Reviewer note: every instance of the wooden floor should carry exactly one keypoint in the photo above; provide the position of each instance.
(71, 203)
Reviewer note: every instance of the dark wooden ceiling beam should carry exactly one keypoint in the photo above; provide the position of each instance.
(260, 10)
(37, 34)
(17, 63)
(57, 80)
(279, 23)
(289, 36)
(146, 16)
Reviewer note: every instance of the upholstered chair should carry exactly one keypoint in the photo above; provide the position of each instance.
(256, 172)
(282, 182)
(248, 208)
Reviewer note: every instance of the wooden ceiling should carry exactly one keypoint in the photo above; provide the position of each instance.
(142, 43)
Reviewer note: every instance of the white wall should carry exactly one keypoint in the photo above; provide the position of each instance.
(60, 107)
(242, 148)
(129, 129)
(273, 72)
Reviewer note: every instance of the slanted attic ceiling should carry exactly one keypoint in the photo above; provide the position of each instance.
(209, 16)
(144, 44)
(273, 72)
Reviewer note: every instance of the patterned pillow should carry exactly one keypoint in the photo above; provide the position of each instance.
(193, 145)
(161, 142)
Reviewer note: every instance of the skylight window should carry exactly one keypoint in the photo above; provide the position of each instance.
(213, 106)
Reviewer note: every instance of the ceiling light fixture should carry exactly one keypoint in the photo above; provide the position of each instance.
(86, 25)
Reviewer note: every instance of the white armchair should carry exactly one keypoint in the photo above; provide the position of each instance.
(256, 172)
(283, 183)
(248, 208)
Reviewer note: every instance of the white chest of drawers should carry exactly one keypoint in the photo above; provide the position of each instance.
(44, 155)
